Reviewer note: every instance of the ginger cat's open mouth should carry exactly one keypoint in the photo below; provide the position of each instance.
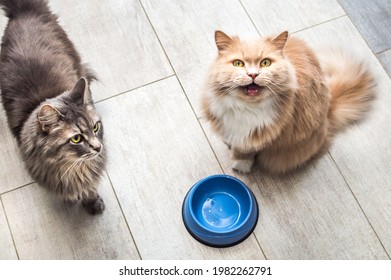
(253, 89)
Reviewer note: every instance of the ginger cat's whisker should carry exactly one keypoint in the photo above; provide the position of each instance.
(288, 111)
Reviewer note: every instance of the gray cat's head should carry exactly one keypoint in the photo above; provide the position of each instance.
(64, 135)
(70, 123)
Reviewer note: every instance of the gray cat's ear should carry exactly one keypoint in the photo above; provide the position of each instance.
(280, 40)
(222, 40)
(81, 92)
(48, 117)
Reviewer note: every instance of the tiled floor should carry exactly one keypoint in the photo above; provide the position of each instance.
(373, 21)
(151, 58)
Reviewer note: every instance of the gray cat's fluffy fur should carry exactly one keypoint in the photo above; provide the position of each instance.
(46, 96)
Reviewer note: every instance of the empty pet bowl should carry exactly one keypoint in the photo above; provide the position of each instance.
(220, 211)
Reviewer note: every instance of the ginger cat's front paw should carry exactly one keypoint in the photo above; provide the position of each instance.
(242, 165)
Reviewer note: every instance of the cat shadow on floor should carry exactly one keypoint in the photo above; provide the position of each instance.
(273, 186)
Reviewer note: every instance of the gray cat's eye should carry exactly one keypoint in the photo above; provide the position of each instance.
(96, 127)
(76, 139)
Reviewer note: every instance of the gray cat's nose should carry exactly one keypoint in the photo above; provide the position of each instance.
(97, 147)
(95, 144)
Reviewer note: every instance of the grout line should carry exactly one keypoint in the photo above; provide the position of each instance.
(253, 233)
(180, 84)
(136, 88)
(383, 51)
(356, 27)
(245, 10)
(259, 244)
(123, 214)
(320, 23)
(157, 37)
(293, 32)
(191, 105)
(194, 112)
(9, 228)
(17, 188)
(166, 55)
(359, 205)
(259, 33)
(352, 21)
(222, 169)
(201, 126)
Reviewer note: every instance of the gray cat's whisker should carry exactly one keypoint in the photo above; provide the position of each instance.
(46, 94)
(74, 164)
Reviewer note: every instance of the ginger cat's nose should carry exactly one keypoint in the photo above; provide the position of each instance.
(253, 75)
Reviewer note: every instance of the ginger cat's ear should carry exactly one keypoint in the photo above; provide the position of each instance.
(280, 40)
(222, 40)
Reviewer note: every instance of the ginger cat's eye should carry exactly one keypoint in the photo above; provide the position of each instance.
(96, 127)
(266, 62)
(76, 139)
(238, 63)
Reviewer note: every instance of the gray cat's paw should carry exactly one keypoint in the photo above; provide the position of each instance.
(242, 165)
(95, 207)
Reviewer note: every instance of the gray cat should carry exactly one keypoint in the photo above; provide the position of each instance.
(46, 96)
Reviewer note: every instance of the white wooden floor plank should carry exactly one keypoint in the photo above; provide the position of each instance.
(363, 151)
(337, 208)
(13, 173)
(310, 214)
(7, 251)
(385, 60)
(118, 42)
(158, 151)
(187, 35)
(279, 15)
(373, 20)
(44, 227)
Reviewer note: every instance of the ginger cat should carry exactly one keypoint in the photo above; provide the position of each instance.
(273, 99)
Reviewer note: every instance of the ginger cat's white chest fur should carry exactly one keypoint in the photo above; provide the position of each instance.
(274, 100)
(240, 119)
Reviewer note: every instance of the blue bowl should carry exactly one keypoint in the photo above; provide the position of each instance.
(220, 211)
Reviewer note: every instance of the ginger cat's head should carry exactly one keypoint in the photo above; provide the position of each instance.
(252, 70)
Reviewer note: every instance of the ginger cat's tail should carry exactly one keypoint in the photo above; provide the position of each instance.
(352, 87)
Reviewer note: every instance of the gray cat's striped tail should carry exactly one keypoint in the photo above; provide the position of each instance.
(13, 8)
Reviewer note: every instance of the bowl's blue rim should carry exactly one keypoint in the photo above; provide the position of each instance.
(229, 244)
(248, 191)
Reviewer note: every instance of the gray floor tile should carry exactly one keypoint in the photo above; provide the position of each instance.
(337, 208)
(44, 227)
(362, 152)
(13, 173)
(373, 20)
(162, 150)
(276, 16)
(191, 48)
(116, 40)
(7, 251)
(310, 214)
(385, 60)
